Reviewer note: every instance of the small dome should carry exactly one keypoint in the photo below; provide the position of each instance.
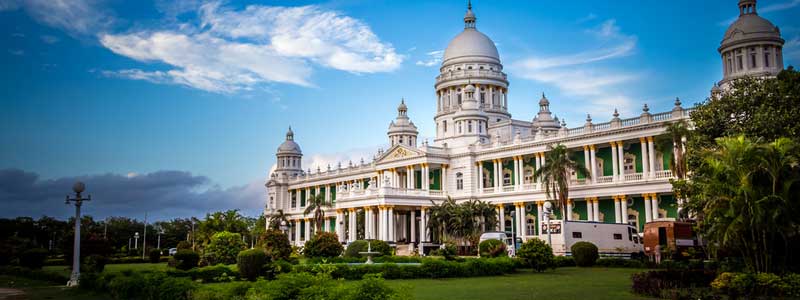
(470, 88)
(471, 43)
(750, 27)
(289, 146)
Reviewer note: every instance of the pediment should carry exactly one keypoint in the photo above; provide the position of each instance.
(399, 152)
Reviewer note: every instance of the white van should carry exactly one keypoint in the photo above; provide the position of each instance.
(505, 237)
(611, 239)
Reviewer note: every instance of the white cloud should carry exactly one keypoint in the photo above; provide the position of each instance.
(9, 5)
(791, 49)
(587, 18)
(76, 17)
(577, 75)
(234, 50)
(434, 59)
(49, 39)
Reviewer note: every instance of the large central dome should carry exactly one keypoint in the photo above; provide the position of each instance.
(470, 42)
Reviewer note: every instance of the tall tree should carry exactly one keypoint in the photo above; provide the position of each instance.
(555, 175)
(276, 219)
(317, 205)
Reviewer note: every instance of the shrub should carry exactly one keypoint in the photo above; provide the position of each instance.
(619, 263)
(182, 245)
(251, 263)
(285, 287)
(218, 273)
(148, 286)
(42, 275)
(379, 246)
(323, 244)
(584, 253)
(448, 251)
(563, 261)
(655, 283)
(373, 287)
(276, 244)
(155, 255)
(223, 248)
(33, 258)
(537, 255)
(234, 290)
(95, 263)
(186, 259)
(492, 248)
(755, 285)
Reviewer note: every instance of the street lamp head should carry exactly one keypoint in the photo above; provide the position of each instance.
(283, 223)
(78, 187)
(548, 205)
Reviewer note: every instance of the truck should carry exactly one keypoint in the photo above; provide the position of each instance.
(672, 236)
(611, 239)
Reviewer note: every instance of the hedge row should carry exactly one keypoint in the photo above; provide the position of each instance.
(139, 285)
(218, 273)
(34, 274)
(113, 260)
(379, 259)
(429, 268)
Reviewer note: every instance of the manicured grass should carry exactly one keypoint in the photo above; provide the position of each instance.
(40, 290)
(563, 283)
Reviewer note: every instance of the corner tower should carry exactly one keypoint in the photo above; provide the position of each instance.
(402, 131)
(289, 157)
(471, 58)
(752, 46)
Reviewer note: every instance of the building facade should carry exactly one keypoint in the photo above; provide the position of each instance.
(481, 152)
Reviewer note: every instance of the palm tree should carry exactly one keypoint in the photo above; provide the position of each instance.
(555, 175)
(317, 204)
(675, 138)
(461, 222)
(276, 219)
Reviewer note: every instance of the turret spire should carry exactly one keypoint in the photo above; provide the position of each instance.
(469, 17)
(747, 7)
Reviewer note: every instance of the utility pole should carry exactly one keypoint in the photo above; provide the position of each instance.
(144, 240)
(78, 188)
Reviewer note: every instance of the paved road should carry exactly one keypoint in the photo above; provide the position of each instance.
(11, 294)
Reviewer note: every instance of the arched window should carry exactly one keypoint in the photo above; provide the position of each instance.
(469, 126)
(629, 164)
(459, 181)
(506, 177)
(530, 225)
(401, 140)
(444, 125)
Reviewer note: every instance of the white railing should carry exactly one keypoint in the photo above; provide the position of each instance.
(663, 174)
(436, 193)
(663, 116)
(580, 181)
(631, 122)
(529, 186)
(488, 190)
(633, 177)
(605, 179)
(508, 188)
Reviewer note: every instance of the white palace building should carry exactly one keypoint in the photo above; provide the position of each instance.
(481, 152)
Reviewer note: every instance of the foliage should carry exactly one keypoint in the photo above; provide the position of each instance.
(231, 221)
(224, 247)
(563, 261)
(752, 285)
(186, 259)
(537, 255)
(492, 248)
(33, 258)
(154, 255)
(747, 196)
(218, 273)
(428, 268)
(555, 175)
(317, 205)
(183, 245)
(95, 263)
(655, 283)
(460, 222)
(373, 287)
(233, 290)
(252, 263)
(447, 250)
(584, 253)
(147, 286)
(276, 244)
(42, 275)
(619, 263)
(323, 244)
(276, 219)
(379, 246)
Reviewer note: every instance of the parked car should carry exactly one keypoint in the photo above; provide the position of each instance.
(172, 251)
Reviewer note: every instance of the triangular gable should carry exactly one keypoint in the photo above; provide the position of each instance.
(398, 152)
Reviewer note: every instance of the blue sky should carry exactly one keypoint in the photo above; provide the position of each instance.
(204, 91)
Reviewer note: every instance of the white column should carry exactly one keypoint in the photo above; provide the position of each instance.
(443, 178)
(617, 211)
(648, 211)
(517, 183)
(367, 222)
(586, 160)
(569, 210)
(589, 210)
(521, 220)
(593, 162)
(308, 229)
(381, 224)
(501, 214)
(654, 205)
(497, 170)
(423, 225)
(538, 166)
(413, 232)
(621, 160)
(615, 164)
(645, 160)
(392, 228)
(539, 216)
(624, 208)
(596, 209)
(410, 177)
(652, 156)
(296, 232)
(480, 177)
(351, 232)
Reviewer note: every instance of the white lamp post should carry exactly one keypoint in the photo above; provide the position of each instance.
(548, 209)
(136, 240)
(513, 233)
(78, 188)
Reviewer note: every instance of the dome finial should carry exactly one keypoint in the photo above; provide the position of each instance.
(469, 17)
(290, 134)
(747, 7)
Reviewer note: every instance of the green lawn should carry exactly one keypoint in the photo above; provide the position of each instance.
(564, 283)
(112, 268)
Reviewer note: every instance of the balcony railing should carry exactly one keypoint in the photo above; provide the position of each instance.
(488, 190)
(663, 174)
(633, 177)
(509, 188)
(604, 179)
